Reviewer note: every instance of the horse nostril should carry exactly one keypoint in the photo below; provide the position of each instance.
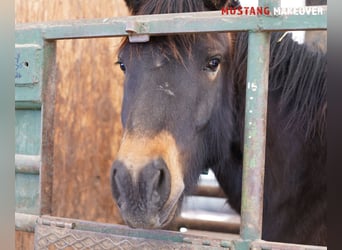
(120, 180)
(157, 181)
(158, 186)
(161, 179)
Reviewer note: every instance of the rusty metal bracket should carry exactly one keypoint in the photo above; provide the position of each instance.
(134, 28)
(28, 62)
(55, 223)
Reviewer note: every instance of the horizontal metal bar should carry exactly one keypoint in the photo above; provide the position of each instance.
(206, 225)
(260, 244)
(25, 222)
(175, 23)
(210, 191)
(28, 164)
(35, 105)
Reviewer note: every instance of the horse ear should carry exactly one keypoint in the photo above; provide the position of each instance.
(219, 4)
(133, 5)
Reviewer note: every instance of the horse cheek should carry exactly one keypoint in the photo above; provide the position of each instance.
(207, 98)
(203, 113)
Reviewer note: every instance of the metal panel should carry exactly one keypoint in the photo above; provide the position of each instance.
(29, 69)
(27, 193)
(28, 66)
(58, 233)
(28, 132)
(62, 233)
(28, 142)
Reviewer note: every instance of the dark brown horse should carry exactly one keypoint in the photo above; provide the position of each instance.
(183, 111)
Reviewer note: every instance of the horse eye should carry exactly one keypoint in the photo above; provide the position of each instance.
(213, 64)
(122, 66)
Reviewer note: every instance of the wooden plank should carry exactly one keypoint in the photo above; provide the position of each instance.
(24, 240)
(211, 21)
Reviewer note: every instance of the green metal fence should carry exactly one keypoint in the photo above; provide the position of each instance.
(35, 99)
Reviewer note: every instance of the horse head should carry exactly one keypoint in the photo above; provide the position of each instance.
(176, 90)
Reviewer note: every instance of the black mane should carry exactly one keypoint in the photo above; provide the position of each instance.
(297, 77)
(296, 147)
(150, 7)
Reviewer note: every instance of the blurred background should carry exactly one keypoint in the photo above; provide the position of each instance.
(87, 116)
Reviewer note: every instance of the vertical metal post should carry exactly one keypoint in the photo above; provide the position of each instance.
(254, 136)
(35, 107)
(48, 127)
(255, 132)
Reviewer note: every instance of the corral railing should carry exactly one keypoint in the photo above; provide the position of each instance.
(35, 99)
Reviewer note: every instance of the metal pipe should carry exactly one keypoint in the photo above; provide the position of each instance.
(210, 191)
(28, 164)
(25, 222)
(225, 226)
(255, 132)
(255, 135)
(260, 244)
(175, 23)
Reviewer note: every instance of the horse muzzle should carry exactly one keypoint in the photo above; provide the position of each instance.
(144, 196)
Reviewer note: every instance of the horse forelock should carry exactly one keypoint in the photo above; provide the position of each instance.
(176, 46)
(151, 7)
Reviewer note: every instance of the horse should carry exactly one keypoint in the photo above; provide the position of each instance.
(183, 111)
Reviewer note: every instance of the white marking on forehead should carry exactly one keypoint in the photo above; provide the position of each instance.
(158, 62)
(166, 88)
